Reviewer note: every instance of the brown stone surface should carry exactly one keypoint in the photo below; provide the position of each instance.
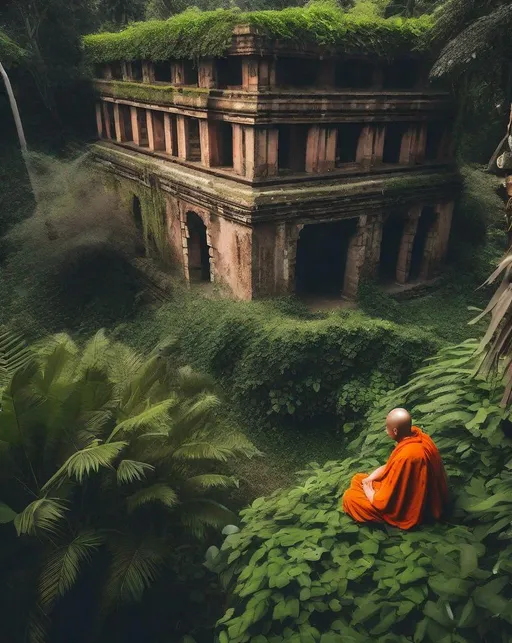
(405, 252)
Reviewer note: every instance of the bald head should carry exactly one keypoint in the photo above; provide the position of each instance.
(398, 424)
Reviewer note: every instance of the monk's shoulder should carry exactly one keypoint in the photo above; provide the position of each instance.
(412, 452)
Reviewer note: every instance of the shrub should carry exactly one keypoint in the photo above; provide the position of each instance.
(283, 369)
(301, 570)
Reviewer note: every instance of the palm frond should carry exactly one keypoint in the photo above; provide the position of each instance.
(95, 352)
(192, 382)
(123, 364)
(201, 514)
(85, 461)
(152, 416)
(158, 492)
(202, 450)
(472, 41)
(134, 568)
(42, 514)
(62, 568)
(131, 470)
(210, 481)
(14, 353)
(38, 625)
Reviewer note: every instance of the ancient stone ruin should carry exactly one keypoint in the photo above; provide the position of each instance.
(282, 168)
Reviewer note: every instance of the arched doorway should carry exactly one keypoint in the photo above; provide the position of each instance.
(322, 257)
(392, 232)
(426, 221)
(198, 251)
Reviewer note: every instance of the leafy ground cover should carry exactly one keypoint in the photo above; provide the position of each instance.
(301, 570)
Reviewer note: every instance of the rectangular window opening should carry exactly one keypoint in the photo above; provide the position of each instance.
(435, 135)
(136, 70)
(117, 71)
(401, 74)
(354, 74)
(126, 122)
(162, 71)
(393, 142)
(225, 134)
(297, 72)
(347, 143)
(111, 120)
(229, 72)
(291, 151)
(190, 73)
(174, 135)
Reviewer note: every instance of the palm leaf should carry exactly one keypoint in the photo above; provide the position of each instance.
(152, 416)
(95, 352)
(61, 570)
(134, 568)
(85, 461)
(14, 354)
(202, 450)
(159, 492)
(201, 514)
(210, 481)
(43, 514)
(131, 470)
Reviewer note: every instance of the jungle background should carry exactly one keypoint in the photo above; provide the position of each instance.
(143, 428)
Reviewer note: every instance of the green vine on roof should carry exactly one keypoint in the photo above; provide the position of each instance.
(194, 34)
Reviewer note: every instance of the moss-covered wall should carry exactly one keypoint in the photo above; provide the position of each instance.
(195, 34)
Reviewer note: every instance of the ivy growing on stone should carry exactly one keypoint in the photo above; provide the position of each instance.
(195, 34)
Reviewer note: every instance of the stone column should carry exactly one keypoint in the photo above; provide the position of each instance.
(412, 149)
(107, 119)
(403, 264)
(238, 149)
(108, 72)
(169, 142)
(99, 120)
(208, 135)
(148, 72)
(135, 125)
(373, 246)
(321, 149)
(126, 70)
(258, 73)
(119, 124)
(379, 136)
(181, 126)
(356, 256)
(436, 244)
(156, 133)
(370, 148)
(206, 74)
(178, 72)
(265, 151)
(420, 144)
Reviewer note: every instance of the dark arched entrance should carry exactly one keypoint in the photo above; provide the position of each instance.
(322, 257)
(198, 251)
(425, 223)
(392, 232)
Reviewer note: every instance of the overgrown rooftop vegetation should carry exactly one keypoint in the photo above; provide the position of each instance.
(195, 34)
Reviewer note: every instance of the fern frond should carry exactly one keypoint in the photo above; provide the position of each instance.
(159, 492)
(41, 514)
(14, 354)
(131, 470)
(83, 462)
(95, 352)
(134, 568)
(200, 514)
(62, 568)
(152, 416)
(202, 450)
(210, 481)
(201, 408)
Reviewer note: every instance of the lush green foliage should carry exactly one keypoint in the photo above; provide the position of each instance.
(286, 369)
(195, 34)
(10, 52)
(301, 570)
(105, 455)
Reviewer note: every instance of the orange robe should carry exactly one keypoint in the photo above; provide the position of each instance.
(412, 485)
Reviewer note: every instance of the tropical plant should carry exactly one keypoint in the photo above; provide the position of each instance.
(105, 455)
(301, 570)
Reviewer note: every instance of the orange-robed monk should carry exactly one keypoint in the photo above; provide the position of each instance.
(411, 486)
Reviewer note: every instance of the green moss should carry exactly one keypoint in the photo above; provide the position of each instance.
(194, 34)
(161, 94)
(10, 52)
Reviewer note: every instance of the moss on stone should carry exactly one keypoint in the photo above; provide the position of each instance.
(194, 34)
(160, 94)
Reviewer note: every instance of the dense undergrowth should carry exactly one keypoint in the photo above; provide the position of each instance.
(195, 34)
(301, 570)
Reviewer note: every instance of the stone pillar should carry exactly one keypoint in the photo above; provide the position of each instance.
(436, 244)
(108, 72)
(412, 149)
(258, 73)
(238, 149)
(181, 126)
(169, 142)
(206, 73)
(135, 125)
(420, 144)
(403, 264)
(107, 120)
(373, 245)
(126, 70)
(209, 139)
(370, 148)
(148, 72)
(356, 256)
(156, 132)
(321, 149)
(99, 120)
(119, 124)
(379, 136)
(265, 142)
(178, 72)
